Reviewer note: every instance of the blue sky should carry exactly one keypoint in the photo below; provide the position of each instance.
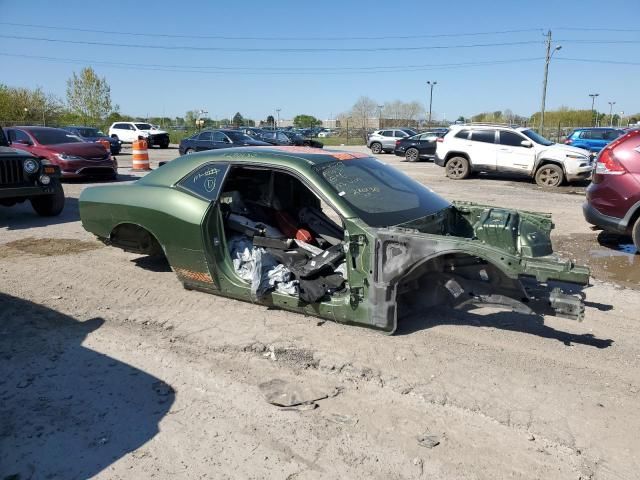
(326, 82)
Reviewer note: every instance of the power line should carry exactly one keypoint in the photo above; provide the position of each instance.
(256, 49)
(591, 60)
(271, 71)
(596, 29)
(268, 38)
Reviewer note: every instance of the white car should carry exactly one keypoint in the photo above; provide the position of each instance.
(127, 132)
(471, 148)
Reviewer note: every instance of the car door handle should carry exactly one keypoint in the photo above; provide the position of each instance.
(505, 149)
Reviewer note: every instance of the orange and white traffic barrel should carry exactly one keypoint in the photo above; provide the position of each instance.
(140, 155)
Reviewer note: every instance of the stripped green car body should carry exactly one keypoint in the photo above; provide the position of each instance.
(456, 254)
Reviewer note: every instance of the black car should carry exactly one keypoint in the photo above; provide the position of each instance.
(214, 139)
(252, 131)
(422, 145)
(280, 137)
(26, 177)
(91, 134)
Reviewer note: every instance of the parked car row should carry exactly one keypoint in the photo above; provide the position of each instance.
(243, 137)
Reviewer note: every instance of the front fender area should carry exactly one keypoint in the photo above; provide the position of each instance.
(413, 272)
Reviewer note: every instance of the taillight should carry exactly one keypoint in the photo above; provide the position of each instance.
(440, 139)
(607, 164)
(397, 142)
(568, 141)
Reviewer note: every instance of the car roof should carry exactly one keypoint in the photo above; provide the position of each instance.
(581, 129)
(296, 157)
(36, 128)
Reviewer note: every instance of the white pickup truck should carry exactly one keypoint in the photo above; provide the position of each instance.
(127, 132)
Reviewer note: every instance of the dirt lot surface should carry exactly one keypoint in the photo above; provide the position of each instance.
(109, 368)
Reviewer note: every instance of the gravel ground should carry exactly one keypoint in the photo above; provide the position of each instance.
(109, 369)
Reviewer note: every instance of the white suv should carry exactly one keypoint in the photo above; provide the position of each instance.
(127, 132)
(385, 140)
(500, 148)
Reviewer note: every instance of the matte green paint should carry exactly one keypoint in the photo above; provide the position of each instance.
(179, 221)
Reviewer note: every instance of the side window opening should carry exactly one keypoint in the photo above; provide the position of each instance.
(280, 236)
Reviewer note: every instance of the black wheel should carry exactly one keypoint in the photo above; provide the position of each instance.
(412, 155)
(376, 148)
(458, 168)
(635, 234)
(115, 137)
(188, 151)
(164, 145)
(50, 205)
(549, 175)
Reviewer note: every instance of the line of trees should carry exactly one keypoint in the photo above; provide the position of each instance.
(366, 113)
(564, 116)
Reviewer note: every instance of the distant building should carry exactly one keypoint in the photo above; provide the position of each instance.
(373, 123)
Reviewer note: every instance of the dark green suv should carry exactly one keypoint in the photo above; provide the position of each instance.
(25, 177)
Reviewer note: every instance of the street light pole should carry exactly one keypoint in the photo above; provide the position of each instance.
(620, 119)
(546, 76)
(611, 104)
(278, 113)
(593, 103)
(431, 85)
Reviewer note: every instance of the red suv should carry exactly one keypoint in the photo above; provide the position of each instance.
(75, 157)
(613, 198)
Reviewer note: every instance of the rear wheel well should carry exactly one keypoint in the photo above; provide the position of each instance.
(633, 219)
(134, 238)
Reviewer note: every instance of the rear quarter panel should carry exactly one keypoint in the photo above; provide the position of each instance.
(173, 217)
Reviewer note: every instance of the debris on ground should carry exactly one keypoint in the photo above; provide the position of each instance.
(428, 440)
(287, 394)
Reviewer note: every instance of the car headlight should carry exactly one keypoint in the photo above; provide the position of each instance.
(30, 166)
(64, 156)
(577, 156)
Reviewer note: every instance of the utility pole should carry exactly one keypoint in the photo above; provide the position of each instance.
(431, 85)
(278, 122)
(611, 104)
(546, 76)
(593, 103)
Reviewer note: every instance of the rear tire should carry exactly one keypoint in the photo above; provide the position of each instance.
(635, 234)
(549, 175)
(376, 148)
(50, 205)
(458, 168)
(412, 155)
(188, 151)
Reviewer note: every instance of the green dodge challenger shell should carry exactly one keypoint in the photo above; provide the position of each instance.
(337, 235)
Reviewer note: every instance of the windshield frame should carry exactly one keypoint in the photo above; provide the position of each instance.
(424, 195)
(536, 137)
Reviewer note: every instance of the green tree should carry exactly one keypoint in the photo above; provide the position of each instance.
(271, 121)
(306, 121)
(238, 120)
(89, 96)
(190, 118)
(28, 106)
